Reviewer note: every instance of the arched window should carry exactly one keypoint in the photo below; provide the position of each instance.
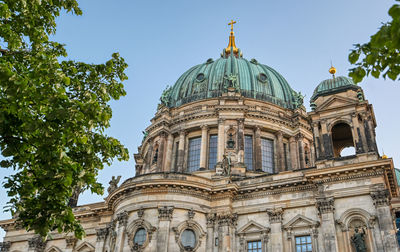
(342, 137)
(140, 236)
(188, 239)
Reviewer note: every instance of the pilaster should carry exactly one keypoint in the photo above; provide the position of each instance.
(257, 149)
(275, 220)
(326, 207)
(280, 152)
(165, 214)
(101, 235)
(381, 199)
(122, 219)
(36, 244)
(5, 246)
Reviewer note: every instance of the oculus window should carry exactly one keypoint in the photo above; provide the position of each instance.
(188, 239)
(254, 246)
(267, 155)
(140, 236)
(212, 151)
(194, 154)
(248, 152)
(303, 244)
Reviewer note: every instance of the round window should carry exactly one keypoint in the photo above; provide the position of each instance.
(200, 77)
(262, 77)
(188, 239)
(140, 236)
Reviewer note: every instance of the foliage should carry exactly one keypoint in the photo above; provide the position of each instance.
(381, 55)
(53, 114)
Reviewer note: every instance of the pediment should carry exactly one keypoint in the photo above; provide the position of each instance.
(53, 249)
(252, 227)
(336, 102)
(300, 221)
(85, 247)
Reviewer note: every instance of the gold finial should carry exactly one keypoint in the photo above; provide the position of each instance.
(332, 70)
(231, 44)
(384, 155)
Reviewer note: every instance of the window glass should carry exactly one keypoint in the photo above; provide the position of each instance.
(188, 238)
(267, 155)
(303, 244)
(194, 154)
(212, 152)
(254, 246)
(140, 236)
(248, 152)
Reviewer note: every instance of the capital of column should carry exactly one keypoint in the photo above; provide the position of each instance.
(5, 246)
(279, 133)
(165, 212)
(210, 217)
(221, 120)
(182, 132)
(204, 127)
(381, 197)
(225, 219)
(101, 234)
(37, 243)
(71, 241)
(275, 215)
(122, 218)
(325, 205)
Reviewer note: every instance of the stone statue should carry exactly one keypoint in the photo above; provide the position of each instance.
(298, 99)
(145, 134)
(232, 81)
(226, 165)
(165, 96)
(113, 184)
(358, 240)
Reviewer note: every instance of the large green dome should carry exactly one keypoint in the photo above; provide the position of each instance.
(253, 80)
(334, 85)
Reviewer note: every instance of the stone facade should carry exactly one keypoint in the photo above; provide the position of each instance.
(310, 196)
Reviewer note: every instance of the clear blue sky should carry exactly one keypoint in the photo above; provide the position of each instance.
(162, 39)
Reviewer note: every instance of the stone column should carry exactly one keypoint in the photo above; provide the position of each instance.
(122, 219)
(36, 244)
(164, 221)
(168, 153)
(226, 226)
(381, 200)
(221, 139)
(257, 149)
(210, 231)
(280, 152)
(317, 141)
(358, 143)
(101, 235)
(203, 148)
(300, 145)
(5, 246)
(240, 140)
(181, 150)
(326, 141)
(149, 156)
(325, 207)
(161, 151)
(275, 221)
(293, 153)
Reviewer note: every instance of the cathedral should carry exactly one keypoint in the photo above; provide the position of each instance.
(232, 161)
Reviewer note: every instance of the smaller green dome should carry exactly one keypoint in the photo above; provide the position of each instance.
(334, 85)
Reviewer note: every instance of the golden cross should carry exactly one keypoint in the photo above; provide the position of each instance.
(231, 24)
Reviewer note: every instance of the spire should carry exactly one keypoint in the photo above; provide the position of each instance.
(232, 49)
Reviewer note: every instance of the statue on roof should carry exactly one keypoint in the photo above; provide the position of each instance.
(113, 184)
(298, 99)
(231, 81)
(165, 96)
